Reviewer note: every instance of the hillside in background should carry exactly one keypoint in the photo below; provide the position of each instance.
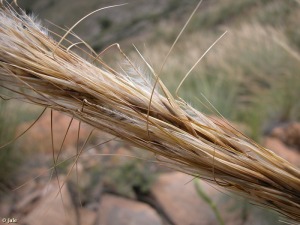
(140, 19)
(132, 21)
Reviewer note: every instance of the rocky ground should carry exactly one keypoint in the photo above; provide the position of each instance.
(113, 190)
(285, 141)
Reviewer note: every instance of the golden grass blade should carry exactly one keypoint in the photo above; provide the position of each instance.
(36, 67)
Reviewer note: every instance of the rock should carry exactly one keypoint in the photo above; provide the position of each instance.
(87, 217)
(115, 210)
(40, 133)
(183, 206)
(28, 188)
(6, 204)
(92, 206)
(53, 208)
(289, 134)
(26, 204)
(280, 148)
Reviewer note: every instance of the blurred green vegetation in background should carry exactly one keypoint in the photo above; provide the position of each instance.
(10, 157)
(12, 154)
(124, 176)
(251, 76)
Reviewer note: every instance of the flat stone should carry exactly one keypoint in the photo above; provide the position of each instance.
(87, 217)
(53, 207)
(180, 202)
(115, 210)
(289, 134)
(6, 204)
(25, 205)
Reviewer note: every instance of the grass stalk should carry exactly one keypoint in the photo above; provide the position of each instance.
(209, 201)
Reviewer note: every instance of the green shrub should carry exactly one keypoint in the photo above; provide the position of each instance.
(10, 156)
(250, 76)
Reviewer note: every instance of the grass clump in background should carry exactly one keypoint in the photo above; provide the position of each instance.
(12, 152)
(10, 156)
(251, 77)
